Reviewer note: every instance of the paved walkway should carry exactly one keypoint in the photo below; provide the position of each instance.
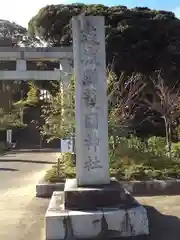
(21, 214)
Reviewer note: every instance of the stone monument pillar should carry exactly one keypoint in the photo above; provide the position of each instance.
(92, 166)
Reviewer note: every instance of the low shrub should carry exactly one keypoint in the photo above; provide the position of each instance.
(130, 160)
(157, 146)
(125, 164)
(59, 172)
(176, 150)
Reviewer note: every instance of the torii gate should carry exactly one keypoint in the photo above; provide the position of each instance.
(19, 54)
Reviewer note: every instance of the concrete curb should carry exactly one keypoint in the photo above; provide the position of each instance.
(153, 187)
(136, 188)
(45, 190)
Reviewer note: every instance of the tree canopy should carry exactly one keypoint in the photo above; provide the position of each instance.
(12, 34)
(138, 39)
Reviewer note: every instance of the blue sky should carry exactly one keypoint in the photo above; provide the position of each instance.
(21, 11)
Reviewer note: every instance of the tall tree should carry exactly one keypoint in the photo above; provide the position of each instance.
(12, 35)
(59, 113)
(123, 95)
(165, 100)
(133, 36)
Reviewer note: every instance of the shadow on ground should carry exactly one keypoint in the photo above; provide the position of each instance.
(9, 169)
(26, 161)
(39, 150)
(162, 227)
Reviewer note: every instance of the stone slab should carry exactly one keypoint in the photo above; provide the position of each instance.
(93, 197)
(27, 75)
(102, 223)
(11, 53)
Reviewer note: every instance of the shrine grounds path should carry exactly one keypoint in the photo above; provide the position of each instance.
(21, 213)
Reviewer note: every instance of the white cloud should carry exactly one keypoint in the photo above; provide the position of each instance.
(177, 12)
(21, 11)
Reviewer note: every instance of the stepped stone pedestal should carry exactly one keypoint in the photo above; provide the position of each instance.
(104, 211)
(126, 220)
(92, 205)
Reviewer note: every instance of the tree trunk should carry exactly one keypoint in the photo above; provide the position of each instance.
(168, 137)
(114, 141)
(170, 141)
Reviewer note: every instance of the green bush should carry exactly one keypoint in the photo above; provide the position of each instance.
(157, 146)
(176, 150)
(66, 169)
(136, 143)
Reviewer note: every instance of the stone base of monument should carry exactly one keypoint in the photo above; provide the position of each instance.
(95, 197)
(85, 213)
